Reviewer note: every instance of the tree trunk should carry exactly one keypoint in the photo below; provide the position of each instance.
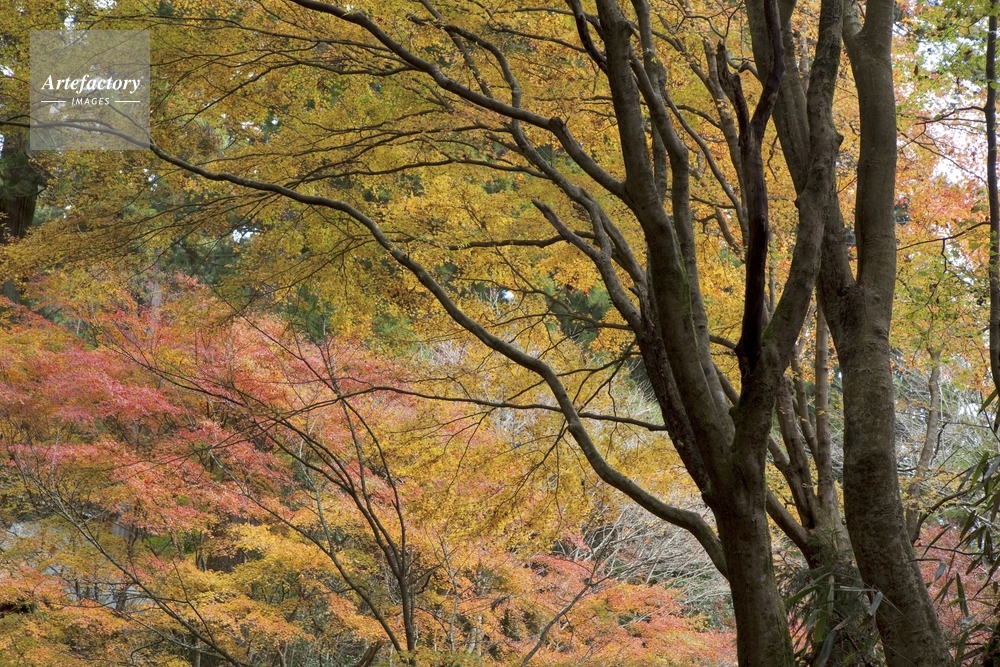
(915, 500)
(763, 637)
(830, 556)
(739, 503)
(822, 537)
(873, 507)
(862, 310)
(990, 112)
(831, 545)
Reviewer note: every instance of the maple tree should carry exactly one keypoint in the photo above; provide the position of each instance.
(232, 494)
(724, 454)
(584, 204)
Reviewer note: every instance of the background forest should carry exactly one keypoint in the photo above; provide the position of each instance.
(508, 332)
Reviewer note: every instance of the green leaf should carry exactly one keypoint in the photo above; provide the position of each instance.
(877, 601)
(989, 399)
(827, 649)
(961, 595)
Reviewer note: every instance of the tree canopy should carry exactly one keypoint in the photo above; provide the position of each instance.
(648, 332)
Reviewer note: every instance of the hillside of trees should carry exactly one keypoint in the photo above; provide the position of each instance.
(507, 333)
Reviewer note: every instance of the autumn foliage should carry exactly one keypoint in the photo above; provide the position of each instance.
(499, 333)
(185, 485)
